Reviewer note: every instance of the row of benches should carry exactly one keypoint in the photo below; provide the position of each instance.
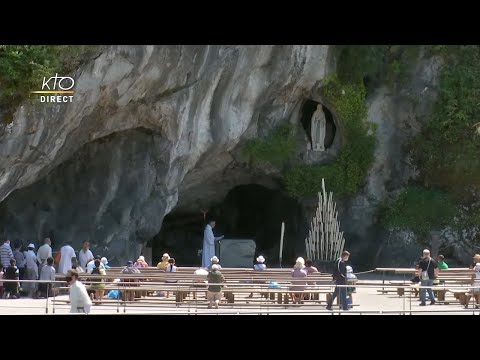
(238, 283)
(455, 281)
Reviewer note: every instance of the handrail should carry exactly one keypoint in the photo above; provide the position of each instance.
(245, 283)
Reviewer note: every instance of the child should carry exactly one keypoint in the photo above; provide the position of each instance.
(11, 287)
(351, 279)
(47, 273)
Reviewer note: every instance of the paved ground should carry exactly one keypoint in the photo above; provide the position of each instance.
(369, 300)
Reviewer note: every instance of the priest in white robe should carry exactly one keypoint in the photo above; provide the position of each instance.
(209, 239)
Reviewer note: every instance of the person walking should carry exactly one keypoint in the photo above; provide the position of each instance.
(80, 302)
(427, 272)
(340, 277)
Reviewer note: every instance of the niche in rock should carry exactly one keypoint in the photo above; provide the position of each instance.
(308, 110)
(248, 212)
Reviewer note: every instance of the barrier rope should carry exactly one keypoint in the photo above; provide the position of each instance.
(365, 272)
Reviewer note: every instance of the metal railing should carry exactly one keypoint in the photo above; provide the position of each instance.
(268, 304)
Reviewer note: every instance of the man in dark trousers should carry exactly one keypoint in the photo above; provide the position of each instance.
(427, 272)
(340, 277)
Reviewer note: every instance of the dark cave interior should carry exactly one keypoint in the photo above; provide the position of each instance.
(248, 212)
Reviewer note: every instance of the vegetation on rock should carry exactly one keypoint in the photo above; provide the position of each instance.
(420, 210)
(276, 148)
(346, 174)
(447, 150)
(22, 68)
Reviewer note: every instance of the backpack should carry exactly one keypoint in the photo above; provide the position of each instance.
(337, 275)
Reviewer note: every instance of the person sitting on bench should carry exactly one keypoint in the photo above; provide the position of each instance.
(475, 291)
(298, 286)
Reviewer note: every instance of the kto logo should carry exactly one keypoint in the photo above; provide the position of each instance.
(57, 87)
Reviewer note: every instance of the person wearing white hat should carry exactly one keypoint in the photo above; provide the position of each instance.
(214, 292)
(298, 286)
(300, 260)
(31, 271)
(104, 261)
(163, 264)
(260, 265)
(214, 261)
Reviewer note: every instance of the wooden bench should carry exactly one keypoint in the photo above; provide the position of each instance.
(188, 283)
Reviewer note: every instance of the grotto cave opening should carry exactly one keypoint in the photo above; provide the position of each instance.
(249, 211)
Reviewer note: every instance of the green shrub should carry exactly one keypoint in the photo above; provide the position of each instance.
(375, 65)
(345, 175)
(420, 210)
(447, 150)
(276, 148)
(22, 68)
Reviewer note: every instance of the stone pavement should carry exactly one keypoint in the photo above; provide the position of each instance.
(369, 300)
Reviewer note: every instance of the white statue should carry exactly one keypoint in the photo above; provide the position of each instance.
(318, 129)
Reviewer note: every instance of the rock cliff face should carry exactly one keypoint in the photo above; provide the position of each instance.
(145, 122)
(153, 136)
(399, 115)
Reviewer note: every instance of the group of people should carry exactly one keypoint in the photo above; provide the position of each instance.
(342, 275)
(427, 275)
(302, 269)
(81, 297)
(24, 264)
(19, 266)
